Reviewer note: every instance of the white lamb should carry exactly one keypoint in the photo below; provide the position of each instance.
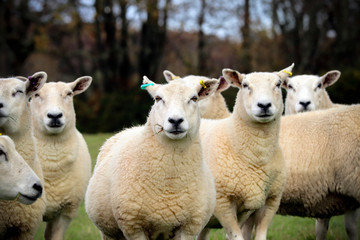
(18, 221)
(213, 107)
(17, 179)
(245, 157)
(63, 152)
(322, 153)
(308, 92)
(152, 179)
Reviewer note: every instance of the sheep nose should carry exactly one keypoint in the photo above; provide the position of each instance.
(175, 122)
(264, 106)
(38, 188)
(54, 115)
(305, 104)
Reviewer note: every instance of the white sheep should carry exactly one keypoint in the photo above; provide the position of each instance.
(245, 157)
(213, 107)
(152, 179)
(17, 179)
(18, 221)
(322, 152)
(62, 151)
(308, 92)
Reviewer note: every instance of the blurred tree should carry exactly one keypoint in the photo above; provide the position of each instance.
(153, 37)
(202, 56)
(246, 39)
(17, 29)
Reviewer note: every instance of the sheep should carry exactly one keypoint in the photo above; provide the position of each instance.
(308, 92)
(244, 155)
(151, 180)
(322, 153)
(62, 151)
(18, 221)
(213, 107)
(25, 187)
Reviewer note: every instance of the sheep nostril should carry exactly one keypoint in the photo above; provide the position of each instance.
(175, 122)
(54, 115)
(38, 188)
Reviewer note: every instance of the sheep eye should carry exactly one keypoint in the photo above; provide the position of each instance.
(278, 84)
(245, 85)
(69, 93)
(290, 87)
(157, 98)
(17, 92)
(36, 95)
(194, 99)
(2, 153)
(319, 85)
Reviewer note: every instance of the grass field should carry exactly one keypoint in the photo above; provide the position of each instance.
(281, 227)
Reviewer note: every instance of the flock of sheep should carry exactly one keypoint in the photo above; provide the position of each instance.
(191, 167)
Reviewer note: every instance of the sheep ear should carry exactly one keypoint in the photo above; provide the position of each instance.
(35, 82)
(223, 85)
(169, 76)
(150, 86)
(207, 87)
(330, 78)
(233, 77)
(286, 72)
(81, 84)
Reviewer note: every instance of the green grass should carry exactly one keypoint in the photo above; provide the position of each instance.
(281, 228)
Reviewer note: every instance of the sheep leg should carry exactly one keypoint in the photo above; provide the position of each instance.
(56, 228)
(247, 228)
(204, 234)
(228, 219)
(264, 216)
(321, 227)
(351, 219)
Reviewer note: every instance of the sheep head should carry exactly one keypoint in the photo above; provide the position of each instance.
(53, 108)
(175, 113)
(260, 97)
(308, 92)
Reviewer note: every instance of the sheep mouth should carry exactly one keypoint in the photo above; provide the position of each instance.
(55, 124)
(176, 132)
(2, 115)
(25, 199)
(264, 115)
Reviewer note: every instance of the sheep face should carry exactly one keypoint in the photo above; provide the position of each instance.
(17, 179)
(52, 107)
(260, 93)
(306, 92)
(175, 113)
(14, 96)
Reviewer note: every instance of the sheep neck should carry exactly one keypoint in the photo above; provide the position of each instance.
(184, 145)
(259, 136)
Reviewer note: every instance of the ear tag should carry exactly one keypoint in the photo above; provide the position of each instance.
(202, 83)
(288, 72)
(175, 77)
(144, 86)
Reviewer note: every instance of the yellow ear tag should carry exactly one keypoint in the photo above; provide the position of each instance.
(202, 83)
(290, 73)
(175, 77)
(0, 134)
